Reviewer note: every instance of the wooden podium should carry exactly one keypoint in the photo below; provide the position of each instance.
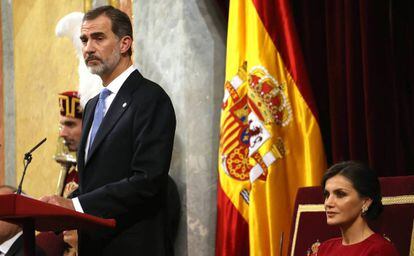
(33, 215)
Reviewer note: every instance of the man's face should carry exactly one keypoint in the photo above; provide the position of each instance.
(101, 47)
(70, 130)
(7, 230)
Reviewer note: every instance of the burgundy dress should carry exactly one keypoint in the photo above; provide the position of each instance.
(374, 245)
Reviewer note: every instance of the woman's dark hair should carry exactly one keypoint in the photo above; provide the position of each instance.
(364, 180)
(121, 24)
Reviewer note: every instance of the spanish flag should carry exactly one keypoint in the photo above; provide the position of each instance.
(270, 142)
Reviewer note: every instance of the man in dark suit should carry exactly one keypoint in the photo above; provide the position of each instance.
(125, 150)
(11, 239)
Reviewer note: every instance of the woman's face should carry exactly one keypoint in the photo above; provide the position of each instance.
(343, 205)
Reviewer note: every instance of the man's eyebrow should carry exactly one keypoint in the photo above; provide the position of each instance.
(67, 122)
(96, 34)
(93, 35)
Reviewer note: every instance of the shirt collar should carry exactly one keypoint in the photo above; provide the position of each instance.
(5, 247)
(116, 84)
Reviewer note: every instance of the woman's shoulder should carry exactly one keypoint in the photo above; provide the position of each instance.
(382, 245)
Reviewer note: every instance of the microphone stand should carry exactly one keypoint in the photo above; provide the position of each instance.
(26, 161)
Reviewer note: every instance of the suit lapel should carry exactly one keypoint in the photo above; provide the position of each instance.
(116, 110)
(87, 123)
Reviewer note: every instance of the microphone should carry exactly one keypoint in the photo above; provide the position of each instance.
(34, 148)
(27, 159)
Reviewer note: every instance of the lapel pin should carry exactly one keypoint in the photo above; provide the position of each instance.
(124, 105)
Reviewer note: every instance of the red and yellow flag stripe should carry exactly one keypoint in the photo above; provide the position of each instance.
(270, 142)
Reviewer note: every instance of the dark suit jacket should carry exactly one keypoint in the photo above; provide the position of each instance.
(17, 249)
(125, 175)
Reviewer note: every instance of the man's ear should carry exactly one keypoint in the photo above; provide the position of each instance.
(125, 44)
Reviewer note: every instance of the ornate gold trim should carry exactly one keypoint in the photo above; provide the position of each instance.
(403, 199)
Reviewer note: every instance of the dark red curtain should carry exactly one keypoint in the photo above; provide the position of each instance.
(360, 59)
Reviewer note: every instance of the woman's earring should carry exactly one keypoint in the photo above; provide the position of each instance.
(364, 210)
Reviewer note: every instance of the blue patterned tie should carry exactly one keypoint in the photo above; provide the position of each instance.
(99, 114)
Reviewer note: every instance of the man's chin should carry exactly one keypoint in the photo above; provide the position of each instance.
(96, 70)
(72, 148)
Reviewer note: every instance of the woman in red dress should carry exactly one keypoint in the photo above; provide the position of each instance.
(352, 196)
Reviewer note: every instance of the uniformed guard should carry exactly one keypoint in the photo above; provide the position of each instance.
(70, 130)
